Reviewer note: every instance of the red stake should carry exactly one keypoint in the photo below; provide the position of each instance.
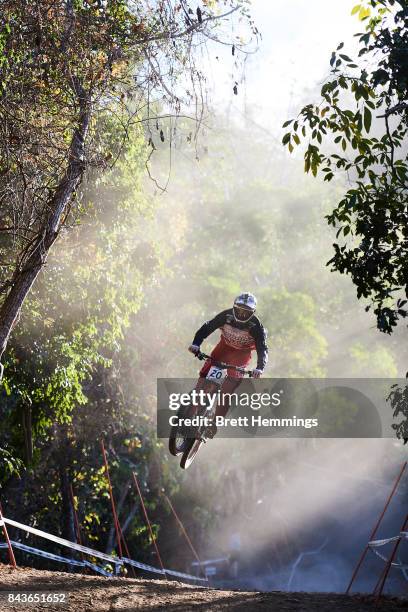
(148, 522)
(380, 584)
(10, 548)
(189, 542)
(374, 531)
(115, 516)
(118, 528)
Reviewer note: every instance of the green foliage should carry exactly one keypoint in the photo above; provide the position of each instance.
(10, 465)
(378, 361)
(373, 212)
(128, 288)
(64, 384)
(297, 346)
(398, 399)
(74, 322)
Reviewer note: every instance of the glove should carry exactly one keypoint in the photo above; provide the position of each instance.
(193, 348)
(256, 373)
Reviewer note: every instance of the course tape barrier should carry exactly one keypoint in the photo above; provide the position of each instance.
(157, 570)
(88, 551)
(182, 575)
(63, 542)
(143, 566)
(398, 565)
(97, 569)
(47, 555)
(376, 543)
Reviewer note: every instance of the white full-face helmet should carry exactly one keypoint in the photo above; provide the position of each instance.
(244, 307)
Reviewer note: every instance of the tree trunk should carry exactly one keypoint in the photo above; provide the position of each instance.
(64, 461)
(130, 517)
(67, 512)
(28, 270)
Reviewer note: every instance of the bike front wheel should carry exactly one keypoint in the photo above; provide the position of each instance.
(179, 440)
(189, 454)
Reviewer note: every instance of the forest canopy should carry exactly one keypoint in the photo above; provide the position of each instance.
(99, 314)
(359, 127)
(75, 75)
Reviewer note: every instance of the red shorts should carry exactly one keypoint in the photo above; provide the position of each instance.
(228, 354)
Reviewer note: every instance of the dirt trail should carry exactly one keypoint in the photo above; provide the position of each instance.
(98, 594)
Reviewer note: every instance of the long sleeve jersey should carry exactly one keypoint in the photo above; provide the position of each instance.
(240, 336)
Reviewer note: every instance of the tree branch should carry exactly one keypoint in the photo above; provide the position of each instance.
(393, 110)
(195, 27)
(36, 257)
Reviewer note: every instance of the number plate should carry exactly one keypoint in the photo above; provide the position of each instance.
(216, 375)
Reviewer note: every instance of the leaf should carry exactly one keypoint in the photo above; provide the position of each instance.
(364, 93)
(364, 13)
(367, 119)
(355, 9)
(380, 76)
(6, 387)
(286, 138)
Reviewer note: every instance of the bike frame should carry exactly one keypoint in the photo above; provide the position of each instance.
(201, 434)
(222, 365)
(212, 386)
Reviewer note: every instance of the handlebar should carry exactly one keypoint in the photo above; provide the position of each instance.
(221, 365)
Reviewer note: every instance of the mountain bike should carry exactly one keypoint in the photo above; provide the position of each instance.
(187, 440)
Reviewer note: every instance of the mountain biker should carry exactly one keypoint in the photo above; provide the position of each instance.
(241, 333)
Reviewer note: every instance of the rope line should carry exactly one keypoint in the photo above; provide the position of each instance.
(89, 551)
(47, 555)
